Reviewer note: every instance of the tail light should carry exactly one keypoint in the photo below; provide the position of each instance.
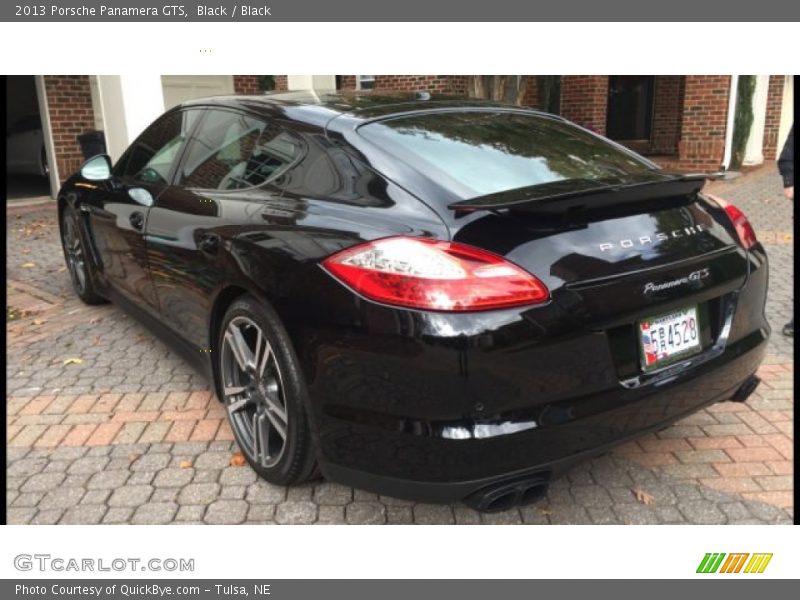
(434, 275)
(747, 236)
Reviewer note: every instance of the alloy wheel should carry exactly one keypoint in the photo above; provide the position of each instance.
(73, 250)
(253, 390)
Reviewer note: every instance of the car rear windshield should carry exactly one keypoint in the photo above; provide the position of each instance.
(475, 153)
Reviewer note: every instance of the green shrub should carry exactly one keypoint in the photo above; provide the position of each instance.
(742, 118)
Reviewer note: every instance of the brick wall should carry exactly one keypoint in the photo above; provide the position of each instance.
(245, 84)
(281, 83)
(584, 100)
(667, 113)
(447, 84)
(443, 84)
(347, 82)
(531, 96)
(248, 84)
(704, 121)
(69, 101)
(772, 121)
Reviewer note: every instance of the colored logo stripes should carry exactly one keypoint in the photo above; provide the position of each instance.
(719, 562)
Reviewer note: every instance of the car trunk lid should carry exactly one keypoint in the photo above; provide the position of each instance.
(613, 255)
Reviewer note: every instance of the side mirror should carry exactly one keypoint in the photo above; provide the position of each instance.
(97, 168)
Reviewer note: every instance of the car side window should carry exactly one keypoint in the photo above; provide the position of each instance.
(153, 155)
(232, 150)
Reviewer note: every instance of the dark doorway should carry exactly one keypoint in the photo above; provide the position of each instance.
(630, 109)
(26, 165)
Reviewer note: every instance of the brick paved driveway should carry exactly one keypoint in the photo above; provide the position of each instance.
(107, 425)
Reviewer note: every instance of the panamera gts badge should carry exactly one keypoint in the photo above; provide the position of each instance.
(652, 287)
(646, 240)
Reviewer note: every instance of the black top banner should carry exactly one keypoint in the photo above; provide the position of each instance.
(405, 10)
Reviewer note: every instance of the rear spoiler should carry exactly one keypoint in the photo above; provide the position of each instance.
(565, 195)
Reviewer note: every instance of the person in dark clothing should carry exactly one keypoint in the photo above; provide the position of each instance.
(786, 168)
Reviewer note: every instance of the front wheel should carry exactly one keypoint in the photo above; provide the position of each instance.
(260, 383)
(76, 258)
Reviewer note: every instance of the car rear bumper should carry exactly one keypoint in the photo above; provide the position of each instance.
(426, 465)
(436, 407)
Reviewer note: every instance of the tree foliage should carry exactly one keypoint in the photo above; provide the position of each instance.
(742, 118)
(509, 89)
(266, 83)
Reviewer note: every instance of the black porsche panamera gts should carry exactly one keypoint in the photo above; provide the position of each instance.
(435, 299)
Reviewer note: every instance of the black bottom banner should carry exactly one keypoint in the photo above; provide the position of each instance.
(382, 589)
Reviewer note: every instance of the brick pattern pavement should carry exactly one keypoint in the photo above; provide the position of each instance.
(107, 425)
(760, 195)
(193, 482)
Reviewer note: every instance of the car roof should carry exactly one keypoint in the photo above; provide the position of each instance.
(318, 108)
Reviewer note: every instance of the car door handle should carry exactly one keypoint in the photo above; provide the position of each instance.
(137, 220)
(209, 243)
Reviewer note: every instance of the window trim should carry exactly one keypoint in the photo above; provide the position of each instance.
(123, 160)
(266, 120)
(361, 79)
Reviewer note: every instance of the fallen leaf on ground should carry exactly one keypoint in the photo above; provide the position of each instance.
(643, 496)
(39, 321)
(185, 464)
(140, 338)
(238, 460)
(25, 251)
(62, 269)
(97, 339)
(28, 265)
(73, 361)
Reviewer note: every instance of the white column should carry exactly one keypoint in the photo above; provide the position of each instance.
(299, 82)
(753, 151)
(324, 82)
(726, 159)
(311, 82)
(787, 112)
(49, 148)
(129, 104)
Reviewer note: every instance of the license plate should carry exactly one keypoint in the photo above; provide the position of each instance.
(667, 338)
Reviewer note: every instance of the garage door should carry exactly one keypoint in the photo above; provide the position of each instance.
(180, 88)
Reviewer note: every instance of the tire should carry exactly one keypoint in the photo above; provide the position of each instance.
(75, 256)
(264, 393)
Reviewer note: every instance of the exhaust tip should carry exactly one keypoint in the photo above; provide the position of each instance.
(504, 496)
(746, 389)
(533, 494)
